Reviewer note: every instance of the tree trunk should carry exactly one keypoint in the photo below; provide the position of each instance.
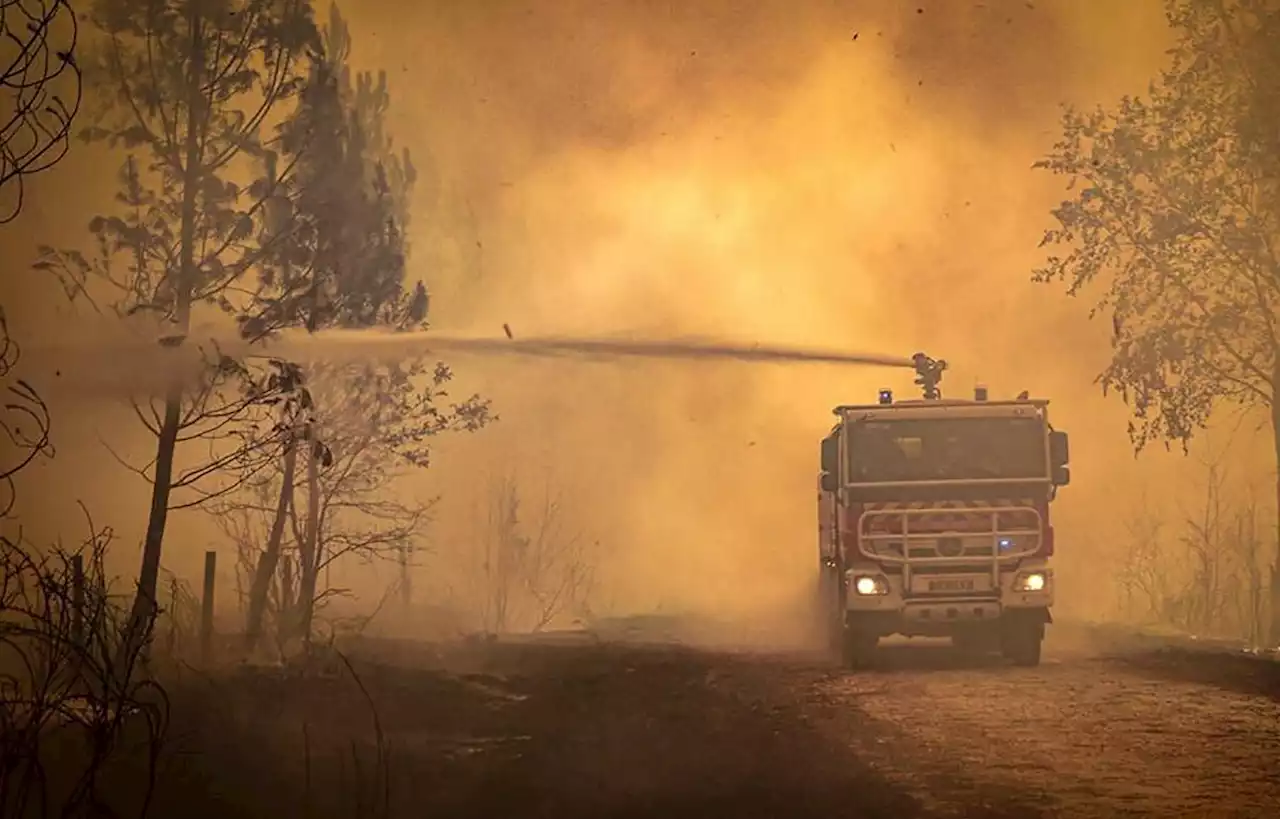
(270, 558)
(310, 547)
(288, 601)
(143, 613)
(505, 541)
(406, 590)
(1273, 633)
(144, 609)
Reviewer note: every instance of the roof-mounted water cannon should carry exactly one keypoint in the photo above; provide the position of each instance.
(929, 375)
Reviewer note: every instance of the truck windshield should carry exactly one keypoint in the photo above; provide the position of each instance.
(951, 449)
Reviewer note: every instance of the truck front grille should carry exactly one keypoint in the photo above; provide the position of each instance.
(946, 535)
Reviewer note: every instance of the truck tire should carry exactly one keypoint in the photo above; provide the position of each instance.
(834, 632)
(858, 649)
(828, 614)
(1021, 642)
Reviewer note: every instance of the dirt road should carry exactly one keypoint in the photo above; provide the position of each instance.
(582, 730)
(1082, 736)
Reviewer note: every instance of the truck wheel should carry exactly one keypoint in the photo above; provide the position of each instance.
(834, 632)
(1022, 641)
(828, 616)
(859, 649)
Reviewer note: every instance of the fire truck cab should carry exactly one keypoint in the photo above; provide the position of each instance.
(934, 521)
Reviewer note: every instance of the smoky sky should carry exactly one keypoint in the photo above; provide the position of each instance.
(833, 174)
(563, 70)
(490, 94)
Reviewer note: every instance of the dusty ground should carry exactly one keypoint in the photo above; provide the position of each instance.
(1154, 734)
(578, 730)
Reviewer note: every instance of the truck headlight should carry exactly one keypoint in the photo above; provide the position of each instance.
(1031, 582)
(870, 585)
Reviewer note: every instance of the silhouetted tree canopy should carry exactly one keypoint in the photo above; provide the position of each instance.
(341, 257)
(1175, 221)
(191, 92)
(341, 262)
(1175, 224)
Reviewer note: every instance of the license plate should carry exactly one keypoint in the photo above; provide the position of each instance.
(951, 585)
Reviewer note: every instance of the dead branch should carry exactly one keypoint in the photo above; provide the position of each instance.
(61, 677)
(24, 420)
(381, 805)
(41, 89)
(534, 568)
(1207, 573)
(1143, 578)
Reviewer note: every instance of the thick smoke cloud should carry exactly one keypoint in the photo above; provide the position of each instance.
(836, 174)
(831, 174)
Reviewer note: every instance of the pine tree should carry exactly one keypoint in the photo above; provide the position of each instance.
(190, 89)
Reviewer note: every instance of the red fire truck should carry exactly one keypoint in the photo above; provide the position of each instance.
(933, 521)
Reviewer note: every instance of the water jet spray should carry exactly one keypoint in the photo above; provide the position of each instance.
(127, 364)
(362, 344)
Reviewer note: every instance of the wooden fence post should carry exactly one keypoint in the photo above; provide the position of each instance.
(206, 606)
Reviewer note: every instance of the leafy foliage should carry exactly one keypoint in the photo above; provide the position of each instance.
(401, 409)
(1176, 213)
(257, 181)
(188, 90)
(344, 262)
(356, 426)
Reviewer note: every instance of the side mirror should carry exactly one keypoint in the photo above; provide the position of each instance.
(1059, 451)
(1061, 476)
(829, 482)
(831, 455)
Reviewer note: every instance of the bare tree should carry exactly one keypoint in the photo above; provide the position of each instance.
(534, 566)
(357, 430)
(1227, 556)
(1144, 575)
(238, 519)
(61, 633)
(39, 92)
(370, 426)
(1207, 572)
(1204, 540)
(1251, 554)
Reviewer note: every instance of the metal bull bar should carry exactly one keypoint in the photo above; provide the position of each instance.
(1023, 541)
